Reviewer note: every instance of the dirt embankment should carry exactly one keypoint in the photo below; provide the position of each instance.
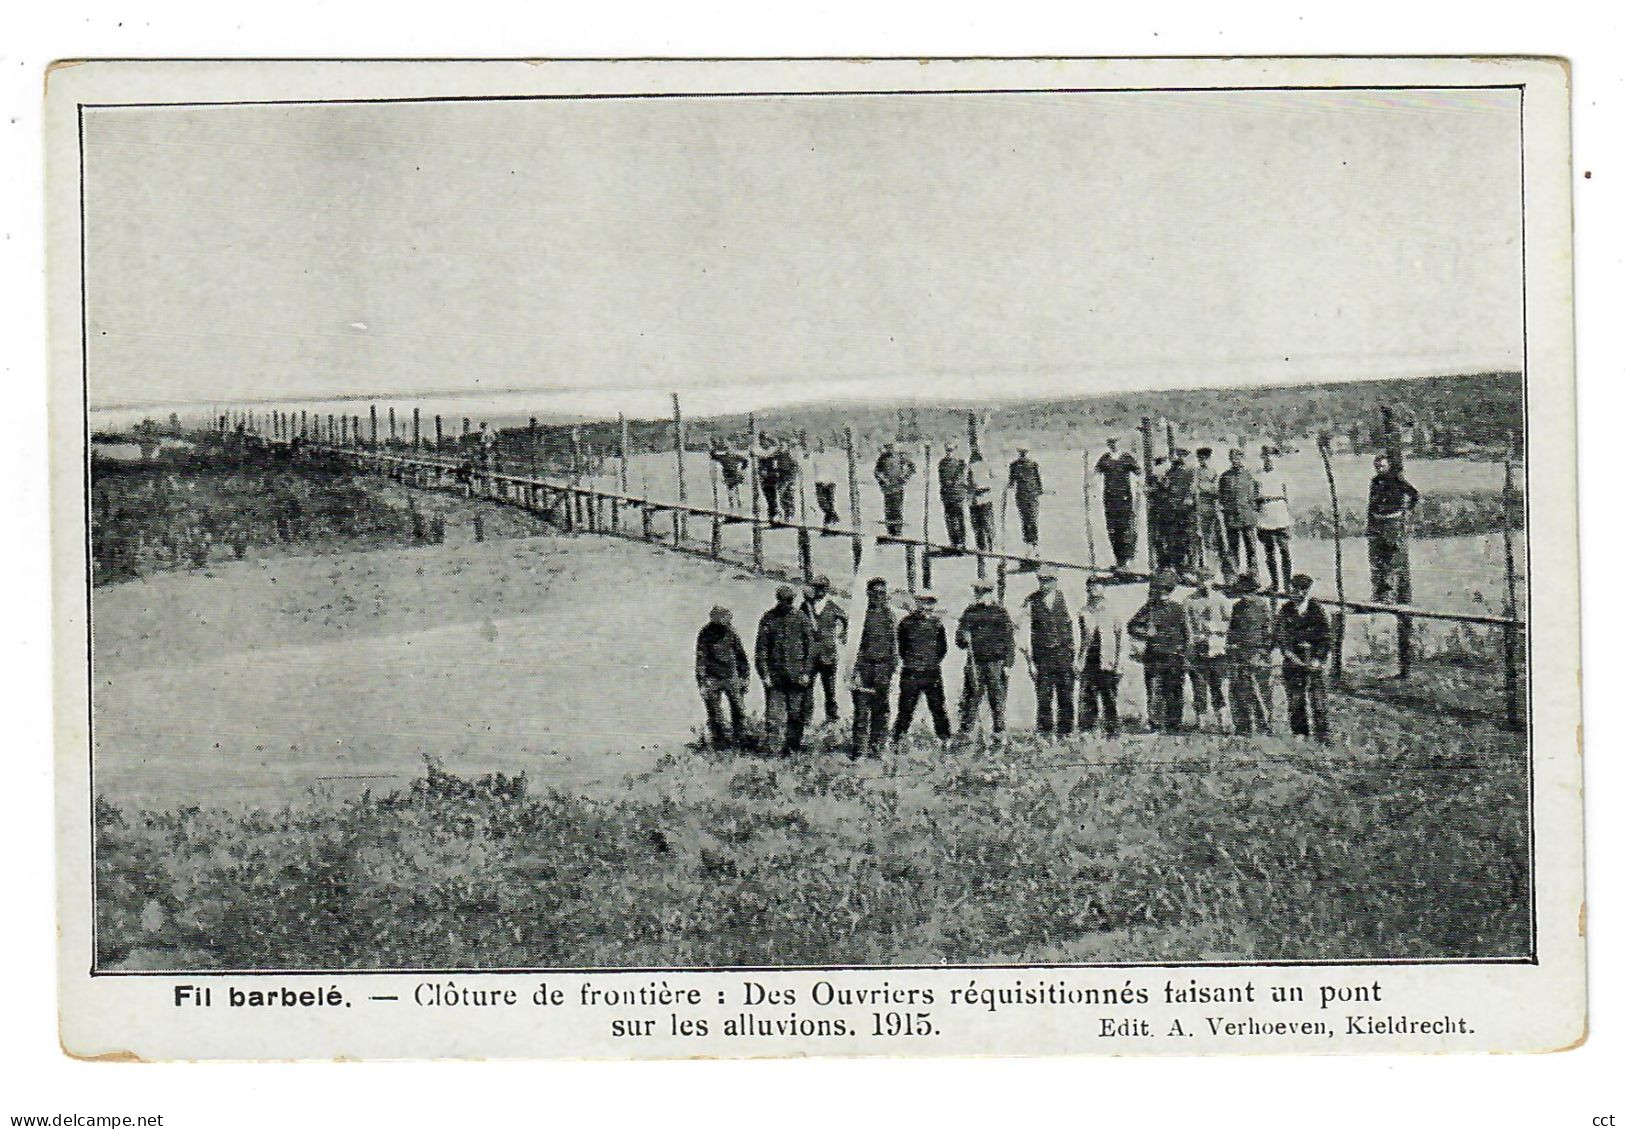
(568, 657)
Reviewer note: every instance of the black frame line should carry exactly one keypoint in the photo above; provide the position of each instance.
(84, 360)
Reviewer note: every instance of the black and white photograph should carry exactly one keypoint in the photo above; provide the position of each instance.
(872, 529)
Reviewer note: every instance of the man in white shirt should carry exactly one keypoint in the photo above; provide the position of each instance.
(1208, 614)
(1100, 659)
(1274, 519)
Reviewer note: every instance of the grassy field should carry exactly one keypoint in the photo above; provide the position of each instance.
(262, 729)
(1406, 841)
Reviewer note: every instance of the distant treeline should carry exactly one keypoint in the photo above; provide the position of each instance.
(1445, 414)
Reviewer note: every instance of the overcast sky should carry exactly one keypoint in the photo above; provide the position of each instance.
(598, 253)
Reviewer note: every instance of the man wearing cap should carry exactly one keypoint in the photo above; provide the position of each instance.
(829, 635)
(1163, 633)
(826, 470)
(953, 487)
(1179, 500)
(1052, 654)
(988, 635)
(1100, 659)
(1118, 473)
(1028, 486)
(1208, 615)
(893, 469)
(1238, 506)
(922, 644)
(1249, 642)
(1212, 553)
(765, 453)
(982, 488)
(1388, 509)
(784, 653)
(1303, 632)
(872, 668)
(1274, 519)
(732, 465)
(722, 670)
(1156, 508)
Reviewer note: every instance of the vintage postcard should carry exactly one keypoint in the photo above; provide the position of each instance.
(739, 558)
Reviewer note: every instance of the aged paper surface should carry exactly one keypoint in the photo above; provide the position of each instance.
(837, 558)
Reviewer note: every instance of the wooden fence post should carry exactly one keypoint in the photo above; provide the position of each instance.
(1402, 549)
(615, 510)
(679, 516)
(716, 513)
(1511, 633)
(1145, 495)
(439, 434)
(755, 499)
(530, 437)
(372, 414)
(853, 503)
(1088, 512)
(1325, 446)
(925, 524)
(392, 425)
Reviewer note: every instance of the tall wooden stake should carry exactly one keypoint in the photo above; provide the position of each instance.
(1088, 512)
(1145, 495)
(417, 432)
(372, 413)
(716, 513)
(1511, 634)
(852, 497)
(679, 517)
(1402, 550)
(755, 500)
(925, 523)
(439, 434)
(1339, 627)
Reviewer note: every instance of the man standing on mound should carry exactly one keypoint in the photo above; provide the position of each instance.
(989, 635)
(922, 644)
(722, 670)
(785, 644)
(872, 670)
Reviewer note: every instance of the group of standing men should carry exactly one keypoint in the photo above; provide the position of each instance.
(1222, 645)
(1199, 517)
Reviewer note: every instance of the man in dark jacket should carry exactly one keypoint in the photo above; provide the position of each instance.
(1163, 632)
(1249, 642)
(951, 483)
(1052, 653)
(872, 670)
(893, 469)
(1238, 506)
(785, 640)
(988, 634)
(1118, 473)
(829, 626)
(922, 644)
(1028, 486)
(722, 670)
(1388, 510)
(1179, 498)
(766, 454)
(1303, 632)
